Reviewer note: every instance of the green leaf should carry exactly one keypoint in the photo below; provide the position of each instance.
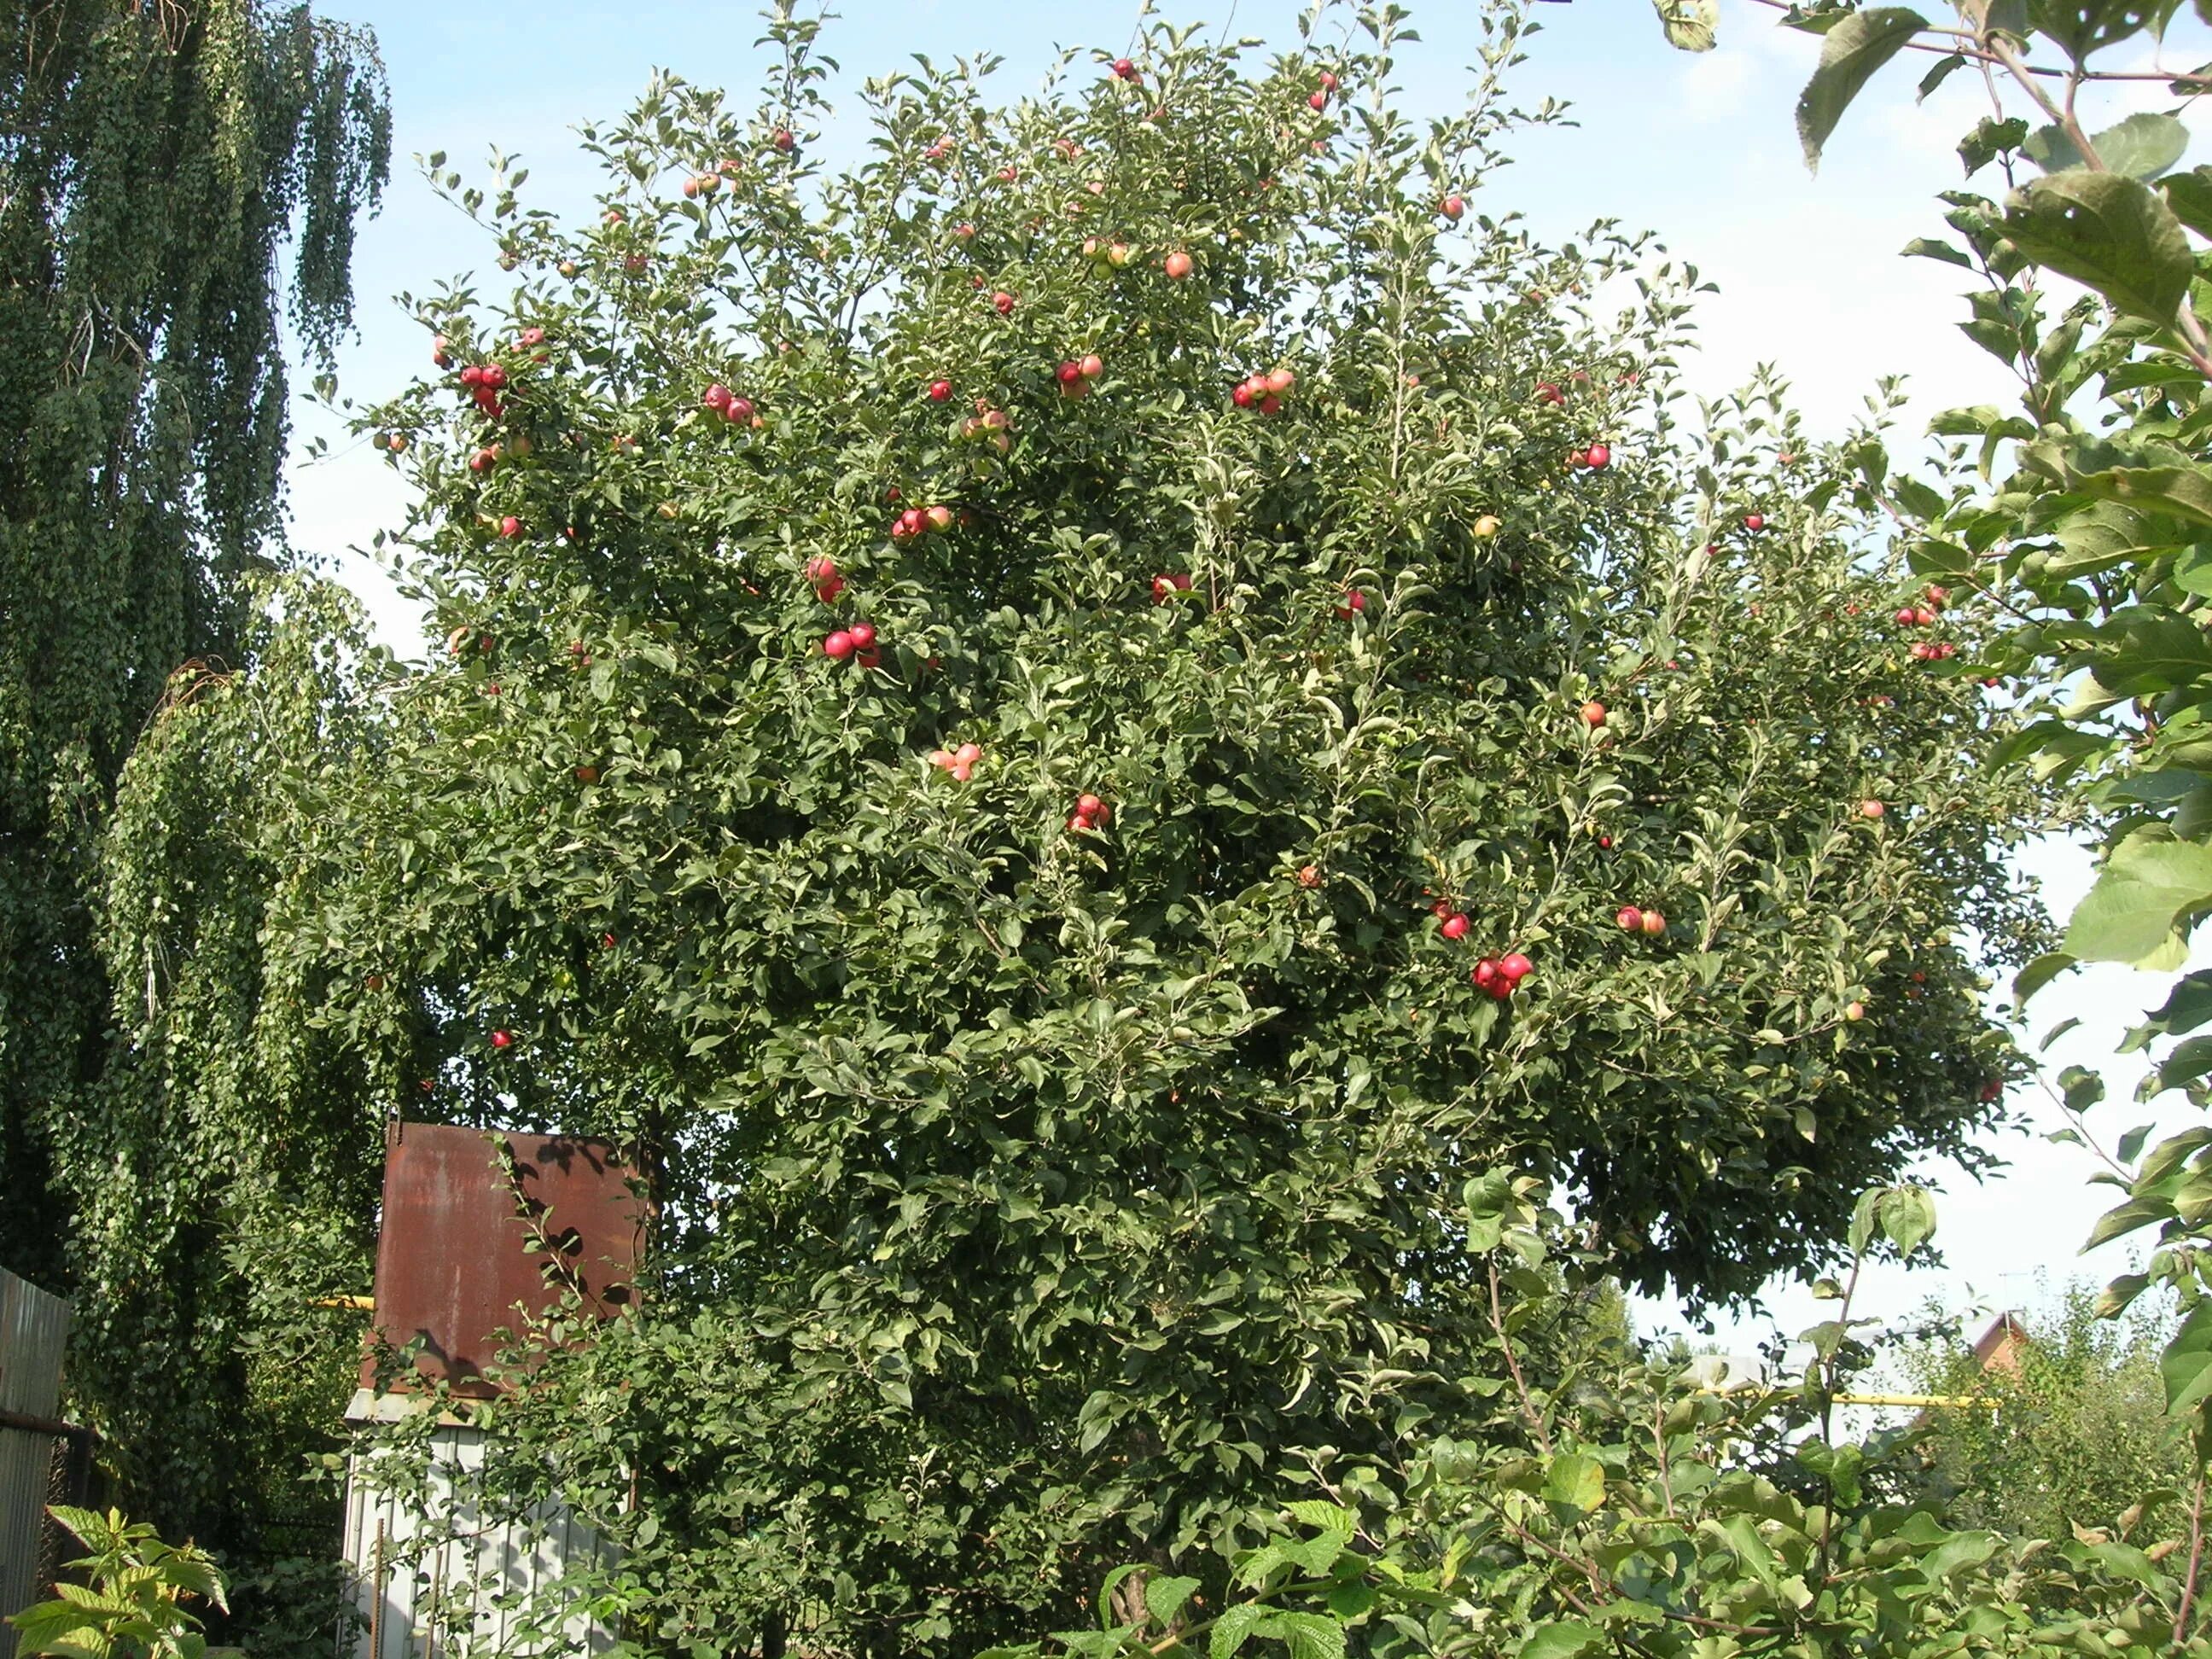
(1568, 1640)
(2146, 885)
(2142, 146)
(1232, 1627)
(1691, 24)
(1908, 1218)
(2186, 1364)
(2039, 974)
(1165, 1597)
(1576, 1481)
(2189, 195)
(2113, 234)
(1849, 54)
(1992, 138)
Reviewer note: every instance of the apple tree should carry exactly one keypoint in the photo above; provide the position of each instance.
(1063, 730)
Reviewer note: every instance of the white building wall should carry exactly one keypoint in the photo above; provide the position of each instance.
(433, 1579)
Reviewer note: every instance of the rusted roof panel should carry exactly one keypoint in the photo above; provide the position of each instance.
(470, 1245)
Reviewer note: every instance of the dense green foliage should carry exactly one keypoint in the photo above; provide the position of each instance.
(1034, 1190)
(132, 1599)
(1608, 1508)
(2072, 1435)
(154, 162)
(2085, 515)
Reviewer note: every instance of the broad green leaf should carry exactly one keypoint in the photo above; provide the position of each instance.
(2145, 885)
(2190, 195)
(1850, 52)
(1908, 1218)
(1570, 1638)
(2142, 146)
(1576, 1480)
(2186, 1364)
(1166, 1597)
(2115, 235)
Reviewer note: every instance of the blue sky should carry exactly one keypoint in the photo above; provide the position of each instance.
(1702, 149)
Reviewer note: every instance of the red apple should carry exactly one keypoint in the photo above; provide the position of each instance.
(1165, 586)
(1755, 522)
(1453, 206)
(1177, 264)
(502, 1038)
(1319, 101)
(1241, 397)
(939, 391)
(1871, 808)
(1092, 807)
(1354, 603)
(1092, 366)
(1593, 714)
(1516, 967)
(838, 646)
(510, 527)
(1002, 302)
(1455, 926)
(1597, 457)
(1653, 924)
(1327, 81)
(716, 396)
(1125, 70)
(1548, 393)
(862, 634)
(1630, 919)
(1271, 404)
(782, 139)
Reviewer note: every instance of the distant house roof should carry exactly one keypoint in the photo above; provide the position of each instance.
(1999, 1348)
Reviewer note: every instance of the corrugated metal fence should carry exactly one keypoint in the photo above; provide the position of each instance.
(33, 1331)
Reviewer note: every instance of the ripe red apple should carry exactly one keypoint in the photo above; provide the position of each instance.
(587, 774)
(939, 518)
(1452, 207)
(1077, 824)
(828, 590)
(862, 634)
(1500, 988)
(494, 378)
(1327, 81)
(1597, 457)
(1177, 264)
(502, 1038)
(939, 391)
(1631, 919)
(1319, 101)
(1125, 70)
(1871, 808)
(607, 941)
(1309, 876)
(1856, 1011)
(1548, 393)
(1486, 972)
(1092, 366)
(1002, 302)
(1241, 397)
(1593, 714)
(821, 568)
(1092, 807)
(1755, 522)
(441, 352)
(962, 770)
(872, 658)
(1165, 586)
(510, 527)
(838, 646)
(1280, 380)
(1653, 924)
(716, 396)
(1455, 926)
(1271, 404)
(968, 754)
(783, 140)
(1354, 603)
(1516, 967)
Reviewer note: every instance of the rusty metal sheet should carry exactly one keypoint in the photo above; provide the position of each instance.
(468, 1246)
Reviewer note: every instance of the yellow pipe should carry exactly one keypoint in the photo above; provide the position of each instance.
(358, 1304)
